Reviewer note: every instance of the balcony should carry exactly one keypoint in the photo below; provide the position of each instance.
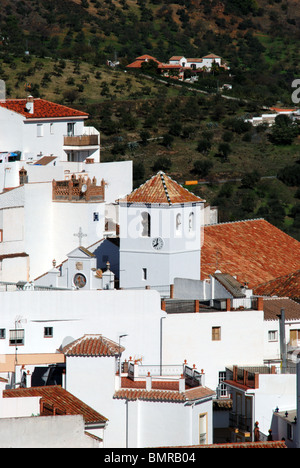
(80, 190)
(81, 141)
(240, 422)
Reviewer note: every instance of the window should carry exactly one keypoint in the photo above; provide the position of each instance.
(289, 430)
(40, 130)
(48, 332)
(146, 224)
(178, 222)
(222, 389)
(144, 273)
(96, 216)
(216, 334)
(202, 428)
(51, 129)
(294, 337)
(2, 333)
(191, 222)
(16, 337)
(70, 129)
(272, 335)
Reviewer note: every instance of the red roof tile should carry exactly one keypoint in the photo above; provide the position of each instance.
(254, 251)
(284, 286)
(137, 63)
(161, 189)
(56, 400)
(265, 444)
(92, 345)
(42, 109)
(164, 395)
(272, 308)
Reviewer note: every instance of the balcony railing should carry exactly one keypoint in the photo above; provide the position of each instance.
(240, 422)
(81, 140)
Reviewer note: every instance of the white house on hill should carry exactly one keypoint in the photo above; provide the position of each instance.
(34, 128)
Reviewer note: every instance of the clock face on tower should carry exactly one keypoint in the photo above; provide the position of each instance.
(157, 243)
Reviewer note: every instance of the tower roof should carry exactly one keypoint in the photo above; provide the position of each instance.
(161, 189)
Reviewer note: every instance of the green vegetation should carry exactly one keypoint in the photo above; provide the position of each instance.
(59, 50)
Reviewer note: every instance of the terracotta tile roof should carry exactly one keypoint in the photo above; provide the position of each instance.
(45, 160)
(133, 394)
(161, 189)
(92, 345)
(156, 385)
(42, 109)
(146, 57)
(254, 251)
(56, 400)
(198, 60)
(211, 56)
(284, 286)
(176, 57)
(137, 63)
(272, 308)
(266, 444)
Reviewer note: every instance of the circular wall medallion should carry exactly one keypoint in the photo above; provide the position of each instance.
(79, 280)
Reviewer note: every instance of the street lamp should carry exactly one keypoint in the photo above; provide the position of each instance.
(120, 336)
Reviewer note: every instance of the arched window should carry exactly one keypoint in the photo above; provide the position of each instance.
(146, 224)
(178, 222)
(191, 222)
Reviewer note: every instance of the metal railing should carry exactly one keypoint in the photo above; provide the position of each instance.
(240, 422)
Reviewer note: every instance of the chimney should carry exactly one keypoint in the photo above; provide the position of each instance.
(260, 303)
(148, 382)
(30, 104)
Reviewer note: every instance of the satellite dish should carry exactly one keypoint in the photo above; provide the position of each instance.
(84, 188)
(67, 340)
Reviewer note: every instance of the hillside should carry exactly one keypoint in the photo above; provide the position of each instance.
(191, 135)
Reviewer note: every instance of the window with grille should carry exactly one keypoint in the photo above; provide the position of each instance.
(48, 332)
(273, 335)
(222, 388)
(16, 337)
(2, 333)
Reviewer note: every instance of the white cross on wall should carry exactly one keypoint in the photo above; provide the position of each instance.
(80, 235)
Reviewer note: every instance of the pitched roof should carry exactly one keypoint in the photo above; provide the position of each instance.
(161, 189)
(272, 308)
(133, 394)
(42, 109)
(230, 284)
(45, 160)
(211, 56)
(57, 400)
(284, 286)
(254, 251)
(92, 345)
(137, 63)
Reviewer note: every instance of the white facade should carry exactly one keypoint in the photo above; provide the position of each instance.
(43, 431)
(44, 229)
(190, 335)
(38, 136)
(179, 229)
(71, 314)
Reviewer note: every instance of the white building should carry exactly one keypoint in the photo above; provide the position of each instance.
(145, 406)
(34, 128)
(43, 221)
(160, 234)
(60, 419)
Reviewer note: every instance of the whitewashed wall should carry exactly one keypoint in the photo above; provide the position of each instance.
(189, 336)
